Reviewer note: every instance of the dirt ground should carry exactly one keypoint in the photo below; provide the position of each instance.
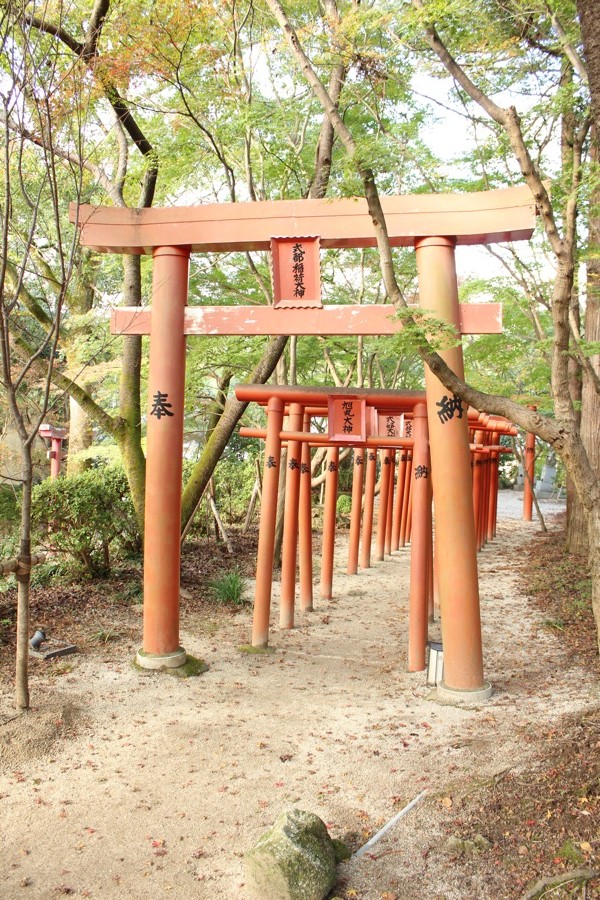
(120, 783)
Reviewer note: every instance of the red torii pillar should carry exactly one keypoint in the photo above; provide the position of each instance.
(390, 505)
(290, 522)
(452, 488)
(384, 497)
(493, 496)
(421, 537)
(406, 501)
(305, 526)
(329, 516)
(268, 516)
(397, 511)
(367, 532)
(528, 474)
(356, 509)
(478, 485)
(166, 390)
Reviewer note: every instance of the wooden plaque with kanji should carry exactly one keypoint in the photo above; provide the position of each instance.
(296, 272)
(347, 420)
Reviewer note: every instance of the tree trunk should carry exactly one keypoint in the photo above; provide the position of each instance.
(23, 583)
(594, 541)
(590, 398)
(129, 437)
(81, 437)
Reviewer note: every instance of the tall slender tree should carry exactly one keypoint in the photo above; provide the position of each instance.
(31, 235)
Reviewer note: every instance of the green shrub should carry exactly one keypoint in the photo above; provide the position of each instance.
(9, 508)
(88, 516)
(228, 589)
(343, 505)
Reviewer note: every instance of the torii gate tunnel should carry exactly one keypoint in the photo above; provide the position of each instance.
(369, 421)
(294, 230)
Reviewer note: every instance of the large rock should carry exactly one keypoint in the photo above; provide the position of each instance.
(293, 860)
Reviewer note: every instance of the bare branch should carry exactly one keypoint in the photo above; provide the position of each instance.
(510, 121)
(570, 51)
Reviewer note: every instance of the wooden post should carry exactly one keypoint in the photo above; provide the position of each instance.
(356, 509)
(305, 526)
(166, 396)
(329, 516)
(55, 457)
(431, 605)
(406, 499)
(528, 475)
(397, 513)
(419, 571)
(494, 474)
(478, 488)
(390, 505)
(268, 515)
(410, 504)
(384, 490)
(56, 437)
(452, 488)
(370, 479)
(290, 521)
(487, 471)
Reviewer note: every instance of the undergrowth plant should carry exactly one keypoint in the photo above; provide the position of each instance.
(228, 589)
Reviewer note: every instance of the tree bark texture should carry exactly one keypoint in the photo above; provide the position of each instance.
(81, 437)
(23, 583)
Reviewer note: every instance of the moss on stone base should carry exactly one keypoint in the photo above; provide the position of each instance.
(190, 669)
(248, 648)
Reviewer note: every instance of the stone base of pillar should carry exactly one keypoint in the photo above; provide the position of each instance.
(161, 660)
(453, 695)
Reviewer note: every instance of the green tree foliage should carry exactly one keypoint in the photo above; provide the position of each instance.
(191, 103)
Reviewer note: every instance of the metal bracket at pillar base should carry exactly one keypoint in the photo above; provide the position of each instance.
(455, 695)
(161, 660)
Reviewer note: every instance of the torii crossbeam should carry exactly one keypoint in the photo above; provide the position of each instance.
(432, 224)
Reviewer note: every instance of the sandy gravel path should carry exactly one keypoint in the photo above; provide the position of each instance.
(161, 784)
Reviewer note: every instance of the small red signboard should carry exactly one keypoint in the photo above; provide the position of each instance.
(390, 425)
(347, 419)
(296, 272)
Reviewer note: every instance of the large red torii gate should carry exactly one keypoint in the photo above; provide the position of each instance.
(434, 224)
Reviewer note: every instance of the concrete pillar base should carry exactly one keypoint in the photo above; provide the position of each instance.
(161, 660)
(454, 695)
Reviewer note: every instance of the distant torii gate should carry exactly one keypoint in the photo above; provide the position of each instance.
(434, 224)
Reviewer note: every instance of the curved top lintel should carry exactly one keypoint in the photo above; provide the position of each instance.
(480, 217)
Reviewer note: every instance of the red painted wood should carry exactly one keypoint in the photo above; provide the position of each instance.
(479, 217)
(475, 318)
